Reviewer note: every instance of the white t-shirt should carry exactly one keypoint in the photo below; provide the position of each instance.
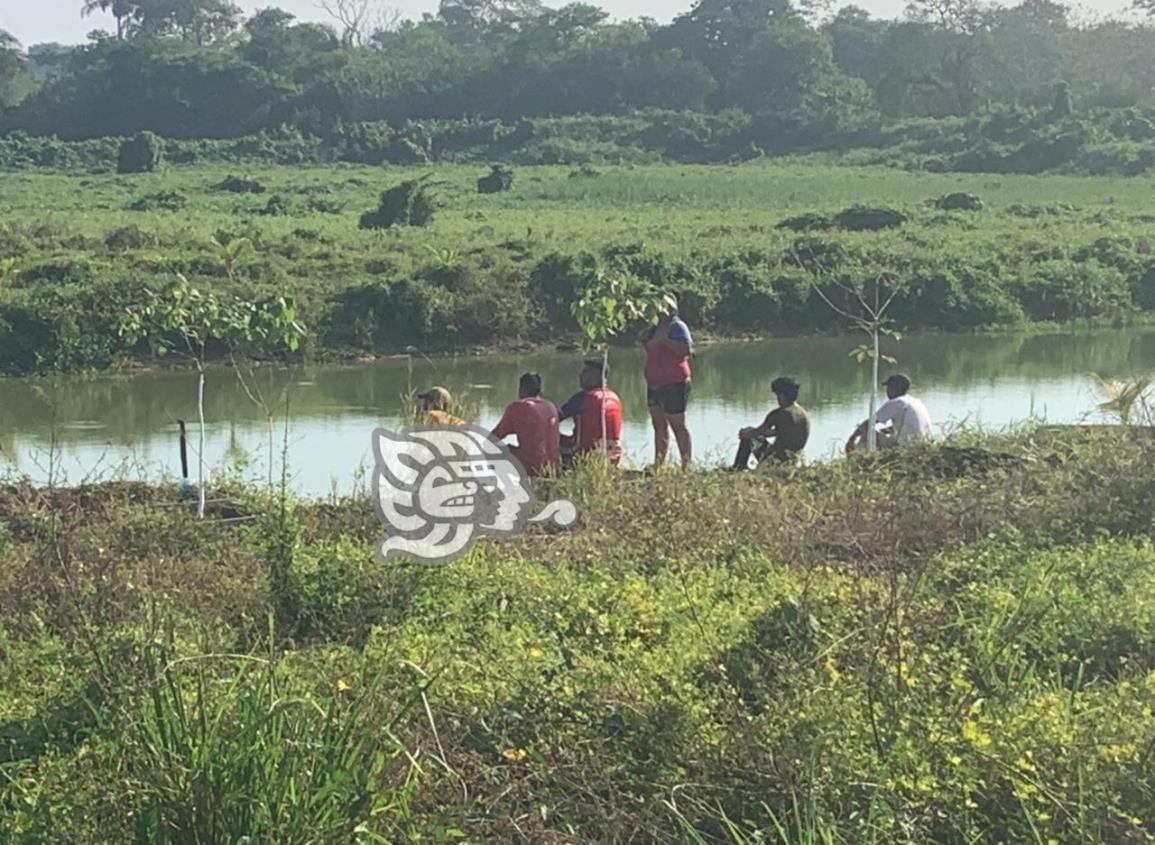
(908, 416)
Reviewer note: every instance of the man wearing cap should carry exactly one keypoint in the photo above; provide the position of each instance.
(901, 420)
(433, 407)
(534, 421)
(788, 425)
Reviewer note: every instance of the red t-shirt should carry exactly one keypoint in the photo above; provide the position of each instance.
(663, 365)
(535, 422)
(588, 422)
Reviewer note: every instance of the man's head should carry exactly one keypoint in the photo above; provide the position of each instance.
(786, 389)
(897, 385)
(435, 399)
(591, 374)
(669, 307)
(529, 385)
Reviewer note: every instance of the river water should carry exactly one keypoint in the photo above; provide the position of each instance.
(101, 427)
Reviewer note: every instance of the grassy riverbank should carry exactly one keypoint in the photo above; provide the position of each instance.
(499, 270)
(956, 648)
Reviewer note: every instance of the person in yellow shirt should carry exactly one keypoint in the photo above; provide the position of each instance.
(433, 407)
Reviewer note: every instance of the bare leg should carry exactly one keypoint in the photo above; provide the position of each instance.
(661, 435)
(682, 435)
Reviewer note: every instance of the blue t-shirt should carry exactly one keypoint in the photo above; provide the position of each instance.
(679, 331)
(573, 406)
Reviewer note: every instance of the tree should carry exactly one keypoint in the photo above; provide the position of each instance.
(1025, 51)
(197, 21)
(863, 301)
(11, 69)
(717, 32)
(607, 307)
(360, 19)
(184, 320)
(276, 43)
(1147, 6)
(126, 13)
(480, 16)
(142, 154)
(856, 43)
(954, 37)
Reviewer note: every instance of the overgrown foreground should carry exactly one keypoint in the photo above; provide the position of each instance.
(954, 648)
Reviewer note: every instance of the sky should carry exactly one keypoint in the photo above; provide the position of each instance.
(36, 21)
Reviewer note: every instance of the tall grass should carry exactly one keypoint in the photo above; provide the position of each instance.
(222, 749)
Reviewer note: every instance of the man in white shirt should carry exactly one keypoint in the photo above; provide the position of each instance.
(902, 419)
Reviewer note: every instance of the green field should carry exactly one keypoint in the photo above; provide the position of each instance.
(952, 648)
(502, 269)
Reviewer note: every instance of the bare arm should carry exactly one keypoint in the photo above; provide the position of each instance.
(767, 429)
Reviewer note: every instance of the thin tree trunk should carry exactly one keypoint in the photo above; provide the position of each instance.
(270, 422)
(201, 443)
(871, 433)
(605, 380)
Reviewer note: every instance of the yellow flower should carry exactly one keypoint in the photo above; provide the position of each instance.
(342, 686)
(513, 755)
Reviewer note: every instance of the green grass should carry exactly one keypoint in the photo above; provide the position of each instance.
(856, 652)
(503, 269)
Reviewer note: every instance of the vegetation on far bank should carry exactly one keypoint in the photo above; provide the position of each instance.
(952, 84)
(743, 246)
(954, 646)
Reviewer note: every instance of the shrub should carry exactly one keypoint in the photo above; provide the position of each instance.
(237, 185)
(142, 154)
(277, 206)
(862, 218)
(407, 204)
(959, 201)
(809, 222)
(498, 179)
(163, 201)
(128, 237)
(323, 206)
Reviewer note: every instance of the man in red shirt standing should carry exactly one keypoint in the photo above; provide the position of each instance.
(534, 421)
(596, 412)
(668, 346)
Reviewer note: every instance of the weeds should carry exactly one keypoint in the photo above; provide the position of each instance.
(939, 649)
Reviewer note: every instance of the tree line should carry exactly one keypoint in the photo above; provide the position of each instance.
(200, 69)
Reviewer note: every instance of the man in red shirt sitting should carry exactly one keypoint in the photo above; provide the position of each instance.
(596, 412)
(534, 421)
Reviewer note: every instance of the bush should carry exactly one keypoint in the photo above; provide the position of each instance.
(277, 206)
(323, 206)
(142, 154)
(959, 201)
(498, 179)
(163, 201)
(407, 204)
(237, 185)
(810, 222)
(861, 218)
(128, 237)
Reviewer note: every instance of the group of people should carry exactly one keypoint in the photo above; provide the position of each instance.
(596, 412)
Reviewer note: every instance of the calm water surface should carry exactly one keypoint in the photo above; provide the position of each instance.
(125, 426)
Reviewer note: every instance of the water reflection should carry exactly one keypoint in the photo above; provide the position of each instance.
(102, 425)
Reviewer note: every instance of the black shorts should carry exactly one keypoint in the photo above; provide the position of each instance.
(671, 398)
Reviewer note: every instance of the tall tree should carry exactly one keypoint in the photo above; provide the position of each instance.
(482, 16)
(953, 44)
(11, 69)
(126, 13)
